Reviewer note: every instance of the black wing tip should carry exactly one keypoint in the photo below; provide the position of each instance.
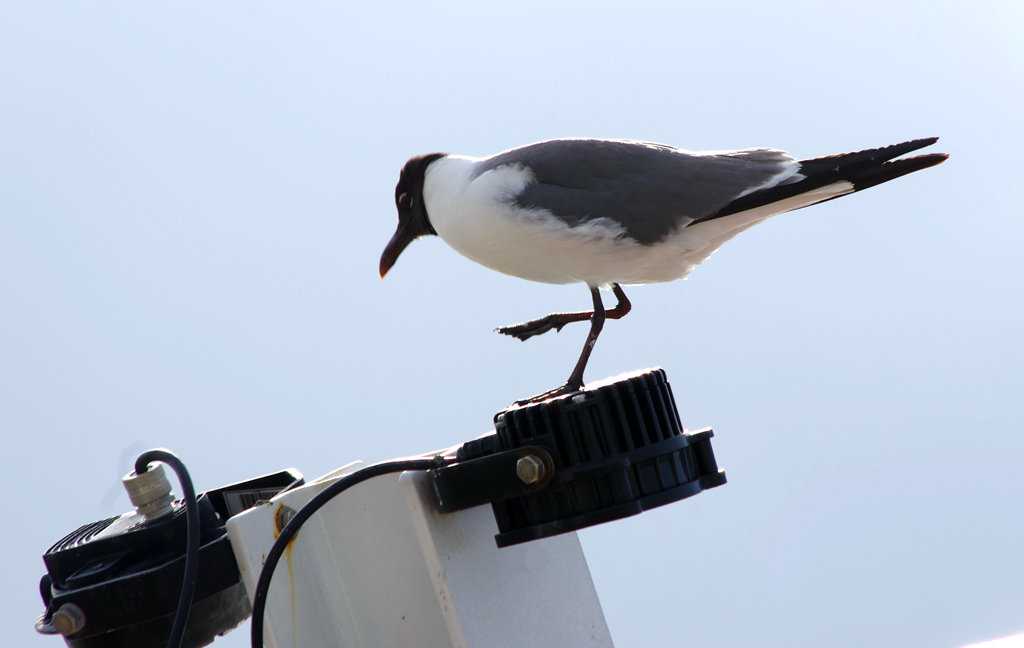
(871, 167)
(872, 156)
(862, 169)
(895, 169)
(910, 145)
(931, 158)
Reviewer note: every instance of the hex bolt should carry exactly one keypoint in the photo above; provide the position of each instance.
(68, 619)
(530, 469)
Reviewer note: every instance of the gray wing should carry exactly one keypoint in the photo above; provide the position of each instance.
(649, 189)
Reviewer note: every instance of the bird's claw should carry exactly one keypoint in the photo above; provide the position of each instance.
(564, 390)
(527, 330)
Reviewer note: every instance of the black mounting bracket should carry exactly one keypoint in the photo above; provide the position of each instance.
(492, 478)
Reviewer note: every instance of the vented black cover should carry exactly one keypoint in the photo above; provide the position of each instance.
(125, 574)
(618, 449)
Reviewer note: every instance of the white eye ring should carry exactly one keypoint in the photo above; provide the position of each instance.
(402, 196)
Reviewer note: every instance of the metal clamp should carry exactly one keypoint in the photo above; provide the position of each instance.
(491, 478)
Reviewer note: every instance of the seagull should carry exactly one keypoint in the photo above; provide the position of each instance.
(613, 213)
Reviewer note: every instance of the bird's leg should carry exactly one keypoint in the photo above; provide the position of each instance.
(556, 321)
(596, 324)
(597, 318)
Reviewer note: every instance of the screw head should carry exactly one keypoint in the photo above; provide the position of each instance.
(68, 619)
(530, 469)
(283, 516)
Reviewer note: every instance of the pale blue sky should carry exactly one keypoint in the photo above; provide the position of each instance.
(194, 196)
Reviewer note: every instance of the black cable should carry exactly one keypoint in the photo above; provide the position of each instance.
(188, 585)
(259, 598)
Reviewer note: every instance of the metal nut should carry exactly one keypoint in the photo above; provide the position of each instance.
(68, 619)
(150, 492)
(530, 469)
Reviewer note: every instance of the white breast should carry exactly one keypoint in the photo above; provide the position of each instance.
(474, 216)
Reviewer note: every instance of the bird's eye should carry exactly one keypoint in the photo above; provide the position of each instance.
(405, 200)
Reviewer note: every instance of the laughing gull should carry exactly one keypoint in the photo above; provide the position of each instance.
(609, 213)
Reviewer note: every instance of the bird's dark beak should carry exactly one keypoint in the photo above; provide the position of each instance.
(402, 238)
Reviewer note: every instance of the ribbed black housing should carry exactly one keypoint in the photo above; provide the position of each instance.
(618, 449)
(81, 535)
(125, 573)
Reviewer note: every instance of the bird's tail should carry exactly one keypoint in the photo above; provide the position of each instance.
(861, 169)
(872, 167)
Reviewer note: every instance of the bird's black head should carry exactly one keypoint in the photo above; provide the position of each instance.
(412, 213)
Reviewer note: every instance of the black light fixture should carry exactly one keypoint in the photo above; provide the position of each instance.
(610, 451)
(114, 583)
